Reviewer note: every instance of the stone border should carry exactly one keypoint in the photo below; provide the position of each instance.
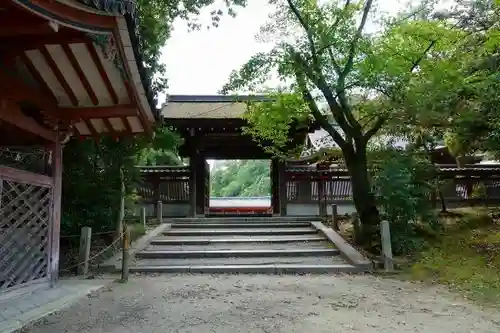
(113, 264)
(352, 255)
(20, 322)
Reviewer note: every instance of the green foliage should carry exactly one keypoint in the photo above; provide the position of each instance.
(241, 178)
(91, 178)
(466, 257)
(402, 183)
(270, 122)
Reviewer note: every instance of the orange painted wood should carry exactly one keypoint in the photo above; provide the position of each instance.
(97, 112)
(10, 112)
(145, 123)
(79, 71)
(26, 177)
(8, 30)
(102, 71)
(75, 14)
(60, 77)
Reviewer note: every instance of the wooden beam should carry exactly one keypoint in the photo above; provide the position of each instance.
(107, 82)
(74, 15)
(58, 74)
(37, 42)
(80, 73)
(146, 124)
(24, 176)
(16, 30)
(11, 113)
(96, 112)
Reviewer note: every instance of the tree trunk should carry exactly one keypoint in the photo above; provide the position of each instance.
(121, 213)
(363, 197)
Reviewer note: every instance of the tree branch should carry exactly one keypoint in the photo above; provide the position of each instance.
(354, 43)
(372, 131)
(320, 118)
(337, 112)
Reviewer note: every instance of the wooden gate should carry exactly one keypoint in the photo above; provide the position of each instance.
(25, 227)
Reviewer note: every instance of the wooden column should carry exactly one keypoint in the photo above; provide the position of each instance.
(192, 184)
(56, 211)
(157, 189)
(275, 194)
(200, 184)
(283, 198)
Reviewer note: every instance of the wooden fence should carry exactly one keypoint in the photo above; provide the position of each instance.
(25, 227)
(458, 186)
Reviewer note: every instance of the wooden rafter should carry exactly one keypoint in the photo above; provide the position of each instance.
(81, 75)
(91, 128)
(60, 77)
(126, 124)
(38, 78)
(107, 82)
(109, 126)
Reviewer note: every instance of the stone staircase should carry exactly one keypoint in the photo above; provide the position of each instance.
(271, 245)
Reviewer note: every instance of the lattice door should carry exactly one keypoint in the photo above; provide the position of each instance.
(24, 232)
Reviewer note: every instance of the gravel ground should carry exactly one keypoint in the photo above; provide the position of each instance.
(262, 303)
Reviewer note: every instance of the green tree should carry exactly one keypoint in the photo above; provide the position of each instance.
(326, 59)
(241, 178)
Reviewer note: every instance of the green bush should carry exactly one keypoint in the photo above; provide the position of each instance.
(403, 183)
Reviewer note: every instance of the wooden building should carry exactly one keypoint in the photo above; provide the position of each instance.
(211, 127)
(67, 68)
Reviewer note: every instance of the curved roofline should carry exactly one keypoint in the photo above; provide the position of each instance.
(216, 98)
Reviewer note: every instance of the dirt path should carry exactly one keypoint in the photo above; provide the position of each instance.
(259, 303)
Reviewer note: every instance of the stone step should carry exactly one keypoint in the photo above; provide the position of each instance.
(249, 219)
(322, 244)
(237, 253)
(250, 269)
(241, 231)
(208, 225)
(297, 260)
(234, 239)
(276, 265)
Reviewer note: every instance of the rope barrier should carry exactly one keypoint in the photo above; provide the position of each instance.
(96, 255)
(94, 233)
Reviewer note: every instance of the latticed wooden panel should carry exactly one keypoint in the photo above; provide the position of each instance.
(24, 232)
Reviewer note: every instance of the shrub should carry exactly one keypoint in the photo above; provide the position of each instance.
(403, 183)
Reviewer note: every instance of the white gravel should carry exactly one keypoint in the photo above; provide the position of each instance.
(263, 303)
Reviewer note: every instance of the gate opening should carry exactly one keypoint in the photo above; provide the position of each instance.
(240, 187)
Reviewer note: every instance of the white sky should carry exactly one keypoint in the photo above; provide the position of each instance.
(199, 62)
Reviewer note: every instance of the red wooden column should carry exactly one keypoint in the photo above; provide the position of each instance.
(56, 210)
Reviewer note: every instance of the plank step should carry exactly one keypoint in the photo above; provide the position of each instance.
(250, 269)
(241, 231)
(207, 241)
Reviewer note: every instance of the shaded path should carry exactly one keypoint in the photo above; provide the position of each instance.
(262, 303)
